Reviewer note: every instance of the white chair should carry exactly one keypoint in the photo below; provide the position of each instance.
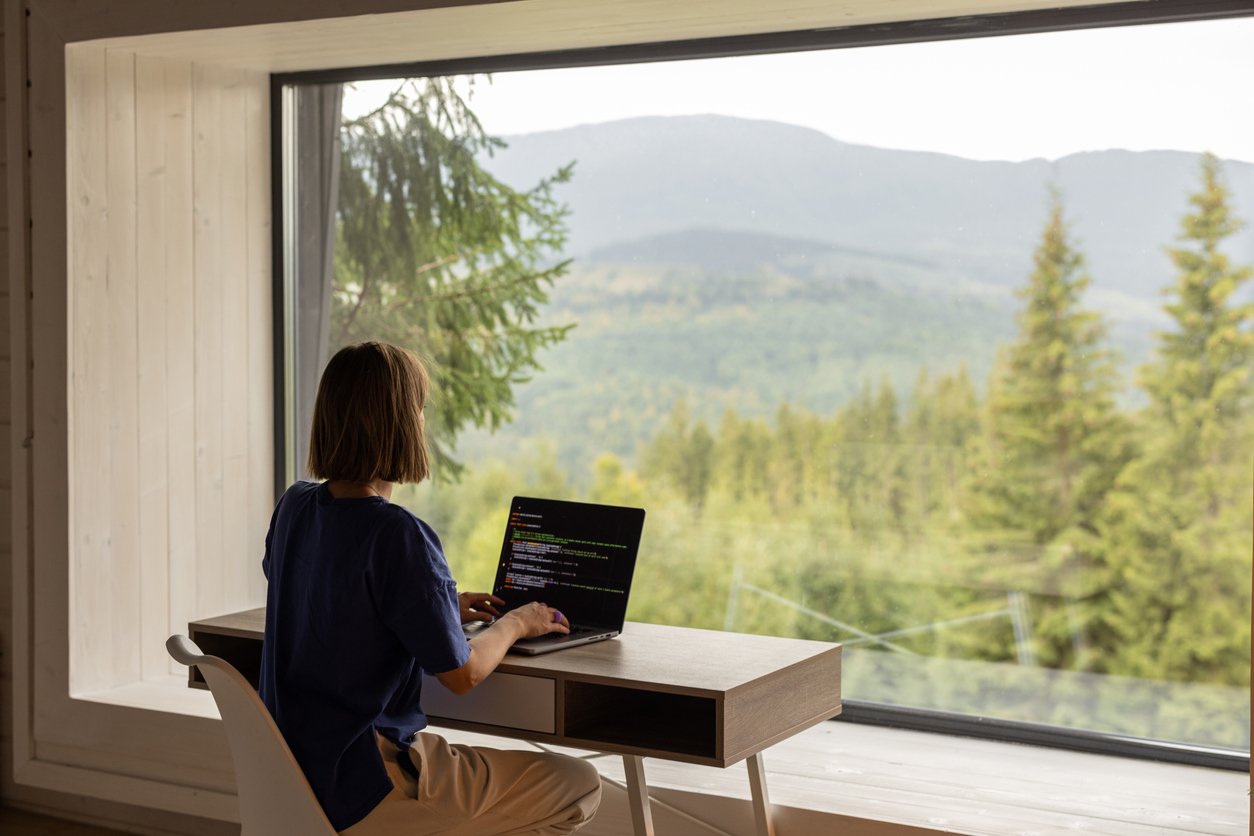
(274, 797)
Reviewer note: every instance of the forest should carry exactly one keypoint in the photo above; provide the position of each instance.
(1051, 537)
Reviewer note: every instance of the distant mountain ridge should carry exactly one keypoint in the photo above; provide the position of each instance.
(656, 176)
(722, 251)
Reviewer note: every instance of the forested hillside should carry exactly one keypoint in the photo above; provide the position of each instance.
(651, 337)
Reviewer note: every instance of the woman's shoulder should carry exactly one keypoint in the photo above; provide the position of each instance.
(298, 495)
(405, 543)
(398, 522)
(402, 517)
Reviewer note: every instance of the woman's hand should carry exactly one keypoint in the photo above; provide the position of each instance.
(535, 619)
(477, 606)
(488, 647)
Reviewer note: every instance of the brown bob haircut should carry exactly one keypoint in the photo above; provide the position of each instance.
(367, 420)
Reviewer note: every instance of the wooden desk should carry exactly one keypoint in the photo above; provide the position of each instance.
(696, 696)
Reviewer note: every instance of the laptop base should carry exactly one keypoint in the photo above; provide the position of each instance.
(548, 643)
(558, 641)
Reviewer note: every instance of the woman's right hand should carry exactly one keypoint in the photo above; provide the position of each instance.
(535, 619)
(488, 647)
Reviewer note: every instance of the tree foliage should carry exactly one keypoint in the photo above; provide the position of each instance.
(1178, 525)
(435, 254)
(1055, 440)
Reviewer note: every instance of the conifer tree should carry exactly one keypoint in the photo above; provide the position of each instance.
(1055, 440)
(1179, 527)
(435, 254)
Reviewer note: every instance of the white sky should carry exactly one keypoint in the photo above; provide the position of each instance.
(1179, 86)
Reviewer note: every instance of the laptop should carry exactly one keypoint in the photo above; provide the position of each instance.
(575, 557)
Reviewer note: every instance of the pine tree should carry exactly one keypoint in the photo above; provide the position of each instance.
(1055, 440)
(435, 254)
(1179, 527)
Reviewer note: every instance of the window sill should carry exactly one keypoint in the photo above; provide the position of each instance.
(857, 779)
(169, 694)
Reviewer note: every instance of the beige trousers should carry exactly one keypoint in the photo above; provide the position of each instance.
(476, 791)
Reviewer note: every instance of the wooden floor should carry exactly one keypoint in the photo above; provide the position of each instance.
(21, 823)
(865, 781)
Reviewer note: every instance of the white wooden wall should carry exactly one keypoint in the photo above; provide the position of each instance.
(170, 401)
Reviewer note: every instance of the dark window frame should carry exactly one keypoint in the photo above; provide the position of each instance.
(1137, 13)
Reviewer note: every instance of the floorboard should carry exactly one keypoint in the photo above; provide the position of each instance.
(14, 822)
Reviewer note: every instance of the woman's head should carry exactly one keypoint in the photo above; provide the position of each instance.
(367, 420)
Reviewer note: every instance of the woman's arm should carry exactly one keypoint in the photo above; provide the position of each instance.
(488, 648)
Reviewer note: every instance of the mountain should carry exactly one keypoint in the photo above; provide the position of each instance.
(721, 251)
(655, 176)
(730, 263)
(742, 253)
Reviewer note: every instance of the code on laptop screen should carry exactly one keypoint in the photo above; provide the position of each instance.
(574, 556)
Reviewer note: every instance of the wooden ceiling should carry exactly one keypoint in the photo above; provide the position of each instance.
(287, 36)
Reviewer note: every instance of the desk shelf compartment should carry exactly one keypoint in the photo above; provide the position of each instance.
(242, 652)
(681, 724)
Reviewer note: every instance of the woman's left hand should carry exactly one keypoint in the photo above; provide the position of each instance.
(477, 606)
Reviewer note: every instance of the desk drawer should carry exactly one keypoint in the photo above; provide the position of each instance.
(503, 699)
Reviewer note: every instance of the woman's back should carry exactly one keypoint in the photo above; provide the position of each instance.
(359, 600)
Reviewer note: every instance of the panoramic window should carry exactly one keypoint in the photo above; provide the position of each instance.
(942, 351)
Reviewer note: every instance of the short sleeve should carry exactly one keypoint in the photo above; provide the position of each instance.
(417, 597)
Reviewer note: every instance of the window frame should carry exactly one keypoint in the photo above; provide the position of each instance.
(1109, 15)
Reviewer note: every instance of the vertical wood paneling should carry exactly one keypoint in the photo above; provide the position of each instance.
(233, 273)
(151, 279)
(180, 353)
(91, 650)
(171, 439)
(207, 159)
(123, 396)
(260, 325)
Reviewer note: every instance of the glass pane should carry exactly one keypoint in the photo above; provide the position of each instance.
(946, 363)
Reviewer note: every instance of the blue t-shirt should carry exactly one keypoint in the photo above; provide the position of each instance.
(360, 603)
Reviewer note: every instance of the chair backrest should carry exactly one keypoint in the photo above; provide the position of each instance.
(274, 797)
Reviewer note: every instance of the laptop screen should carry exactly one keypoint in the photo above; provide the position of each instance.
(574, 556)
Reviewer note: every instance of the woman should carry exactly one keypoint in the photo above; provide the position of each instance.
(360, 603)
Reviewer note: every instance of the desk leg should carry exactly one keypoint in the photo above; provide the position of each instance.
(761, 803)
(638, 796)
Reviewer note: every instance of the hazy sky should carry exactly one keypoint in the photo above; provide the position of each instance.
(1180, 86)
